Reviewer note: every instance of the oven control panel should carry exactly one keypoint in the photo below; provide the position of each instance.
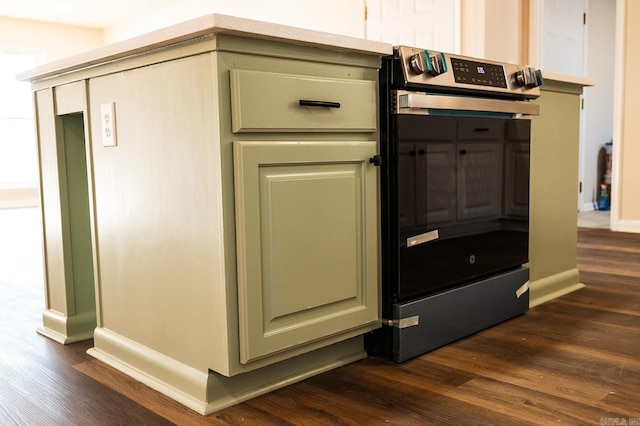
(480, 73)
(427, 69)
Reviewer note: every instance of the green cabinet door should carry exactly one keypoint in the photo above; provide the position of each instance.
(307, 243)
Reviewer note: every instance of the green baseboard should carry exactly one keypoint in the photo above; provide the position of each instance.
(554, 286)
(68, 329)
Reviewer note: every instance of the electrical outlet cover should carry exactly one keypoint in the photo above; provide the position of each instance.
(108, 124)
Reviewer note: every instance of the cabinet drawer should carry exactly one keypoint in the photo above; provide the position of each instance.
(265, 101)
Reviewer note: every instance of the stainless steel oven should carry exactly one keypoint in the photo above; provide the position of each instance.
(455, 148)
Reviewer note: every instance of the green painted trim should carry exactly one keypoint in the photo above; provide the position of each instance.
(554, 286)
(67, 329)
(205, 391)
(77, 224)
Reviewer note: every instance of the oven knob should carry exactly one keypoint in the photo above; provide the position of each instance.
(438, 64)
(528, 77)
(423, 62)
(520, 78)
(418, 63)
(539, 78)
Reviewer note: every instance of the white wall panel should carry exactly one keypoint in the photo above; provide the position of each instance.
(432, 24)
(333, 16)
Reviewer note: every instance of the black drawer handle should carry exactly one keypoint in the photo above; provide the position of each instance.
(481, 129)
(305, 102)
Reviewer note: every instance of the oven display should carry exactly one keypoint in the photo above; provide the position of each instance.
(478, 73)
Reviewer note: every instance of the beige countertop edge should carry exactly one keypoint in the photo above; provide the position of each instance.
(201, 27)
(568, 79)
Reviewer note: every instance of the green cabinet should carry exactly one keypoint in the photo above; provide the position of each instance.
(234, 229)
(306, 203)
(243, 222)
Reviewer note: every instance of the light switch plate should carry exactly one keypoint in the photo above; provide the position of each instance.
(108, 123)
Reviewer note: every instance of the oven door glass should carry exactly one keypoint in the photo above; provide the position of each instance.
(462, 199)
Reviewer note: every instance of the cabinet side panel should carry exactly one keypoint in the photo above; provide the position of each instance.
(554, 171)
(159, 213)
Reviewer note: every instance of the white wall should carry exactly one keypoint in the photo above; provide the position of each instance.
(492, 29)
(503, 26)
(46, 42)
(50, 41)
(344, 17)
(625, 211)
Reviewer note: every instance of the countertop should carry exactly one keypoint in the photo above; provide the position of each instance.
(209, 25)
(554, 77)
(204, 26)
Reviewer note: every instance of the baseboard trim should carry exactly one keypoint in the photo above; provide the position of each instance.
(206, 392)
(227, 391)
(67, 329)
(19, 197)
(554, 286)
(178, 381)
(632, 226)
(588, 207)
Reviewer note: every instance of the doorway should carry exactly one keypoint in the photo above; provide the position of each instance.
(429, 24)
(578, 38)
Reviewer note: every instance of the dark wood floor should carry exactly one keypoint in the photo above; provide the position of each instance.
(574, 360)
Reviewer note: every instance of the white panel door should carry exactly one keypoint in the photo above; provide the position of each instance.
(429, 24)
(563, 36)
(562, 49)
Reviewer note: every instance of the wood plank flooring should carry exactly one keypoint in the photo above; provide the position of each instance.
(574, 360)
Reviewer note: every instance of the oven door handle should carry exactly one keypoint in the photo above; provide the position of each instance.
(421, 103)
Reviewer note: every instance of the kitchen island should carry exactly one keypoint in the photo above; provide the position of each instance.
(210, 211)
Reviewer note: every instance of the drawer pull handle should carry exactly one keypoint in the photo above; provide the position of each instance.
(305, 102)
(481, 129)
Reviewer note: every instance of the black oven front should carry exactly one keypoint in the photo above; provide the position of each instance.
(455, 198)
(460, 197)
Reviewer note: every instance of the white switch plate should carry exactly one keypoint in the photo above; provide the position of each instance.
(108, 123)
